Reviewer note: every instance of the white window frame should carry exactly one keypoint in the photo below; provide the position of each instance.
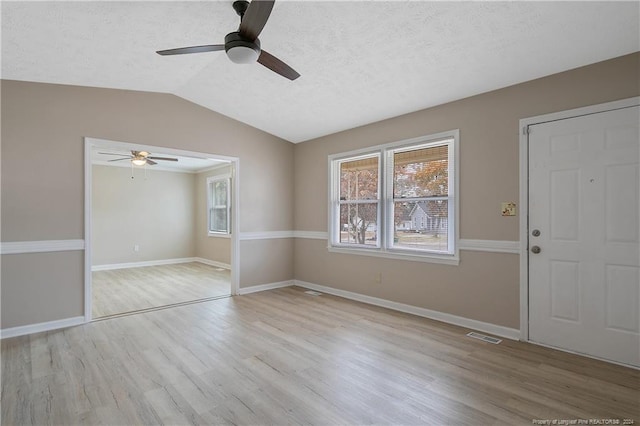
(385, 229)
(210, 181)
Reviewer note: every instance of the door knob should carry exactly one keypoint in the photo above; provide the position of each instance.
(535, 249)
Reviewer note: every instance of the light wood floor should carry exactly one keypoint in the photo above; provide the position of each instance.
(283, 357)
(132, 289)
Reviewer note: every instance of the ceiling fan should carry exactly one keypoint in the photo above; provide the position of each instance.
(139, 158)
(243, 46)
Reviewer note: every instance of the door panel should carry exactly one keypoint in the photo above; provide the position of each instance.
(564, 187)
(621, 203)
(565, 290)
(584, 197)
(622, 298)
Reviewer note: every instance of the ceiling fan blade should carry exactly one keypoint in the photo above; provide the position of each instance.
(111, 153)
(151, 162)
(192, 49)
(276, 65)
(254, 18)
(120, 159)
(163, 158)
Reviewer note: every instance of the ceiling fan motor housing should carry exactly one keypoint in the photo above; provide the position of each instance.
(241, 50)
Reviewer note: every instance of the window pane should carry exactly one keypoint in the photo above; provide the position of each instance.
(358, 223)
(421, 225)
(421, 172)
(218, 219)
(220, 193)
(359, 179)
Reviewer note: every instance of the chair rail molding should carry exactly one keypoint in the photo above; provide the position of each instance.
(44, 246)
(265, 235)
(495, 246)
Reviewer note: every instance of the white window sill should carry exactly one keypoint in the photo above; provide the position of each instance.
(219, 234)
(444, 259)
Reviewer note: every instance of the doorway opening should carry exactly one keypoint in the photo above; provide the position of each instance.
(161, 227)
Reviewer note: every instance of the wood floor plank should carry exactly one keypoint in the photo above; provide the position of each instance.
(119, 291)
(285, 357)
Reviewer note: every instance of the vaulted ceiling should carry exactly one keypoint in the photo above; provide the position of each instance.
(360, 61)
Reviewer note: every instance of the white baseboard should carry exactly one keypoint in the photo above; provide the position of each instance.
(264, 287)
(212, 263)
(160, 262)
(498, 330)
(144, 263)
(43, 326)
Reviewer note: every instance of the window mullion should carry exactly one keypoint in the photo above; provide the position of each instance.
(381, 191)
(344, 202)
(388, 198)
(413, 199)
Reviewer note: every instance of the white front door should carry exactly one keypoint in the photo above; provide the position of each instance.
(584, 216)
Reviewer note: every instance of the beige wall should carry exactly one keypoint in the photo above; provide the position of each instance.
(265, 257)
(485, 285)
(43, 126)
(41, 287)
(155, 212)
(475, 289)
(214, 247)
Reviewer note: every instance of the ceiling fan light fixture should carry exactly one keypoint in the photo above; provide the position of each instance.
(139, 161)
(240, 50)
(242, 55)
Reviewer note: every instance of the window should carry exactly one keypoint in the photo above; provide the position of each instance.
(359, 204)
(396, 200)
(219, 204)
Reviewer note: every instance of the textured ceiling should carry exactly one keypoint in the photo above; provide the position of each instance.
(360, 61)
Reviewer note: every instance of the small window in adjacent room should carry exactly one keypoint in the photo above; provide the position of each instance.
(396, 200)
(219, 204)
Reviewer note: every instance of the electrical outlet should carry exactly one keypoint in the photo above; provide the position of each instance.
(136, 248)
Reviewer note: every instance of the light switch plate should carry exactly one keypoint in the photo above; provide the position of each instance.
(508, 209)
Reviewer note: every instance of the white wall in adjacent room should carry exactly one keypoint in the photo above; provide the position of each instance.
(156, 213)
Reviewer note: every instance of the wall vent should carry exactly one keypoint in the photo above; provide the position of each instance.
(312, 293)
(484, 338)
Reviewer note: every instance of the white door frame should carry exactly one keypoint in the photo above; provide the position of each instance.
(90, 143)
(524, 191)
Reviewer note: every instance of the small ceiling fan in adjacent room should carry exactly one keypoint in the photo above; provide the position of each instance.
(243, 46)
(139, 158)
